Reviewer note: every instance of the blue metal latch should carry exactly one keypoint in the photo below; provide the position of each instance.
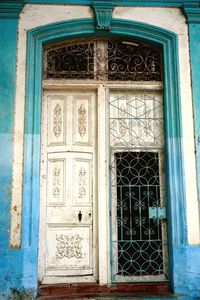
(157, 212)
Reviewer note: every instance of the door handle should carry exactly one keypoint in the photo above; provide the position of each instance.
(80, 216)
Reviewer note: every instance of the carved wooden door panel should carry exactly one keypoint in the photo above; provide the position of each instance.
(68, 155)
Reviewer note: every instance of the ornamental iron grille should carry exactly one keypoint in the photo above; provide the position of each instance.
(139, 234)
(108, 59)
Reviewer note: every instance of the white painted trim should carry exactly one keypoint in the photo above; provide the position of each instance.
(103, 179)
(70, 84)
(56, 280)
(43, 175)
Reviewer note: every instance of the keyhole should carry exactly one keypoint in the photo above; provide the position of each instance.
(80, 216)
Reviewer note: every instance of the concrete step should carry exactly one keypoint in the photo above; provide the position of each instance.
(120, 291)
(96, 290)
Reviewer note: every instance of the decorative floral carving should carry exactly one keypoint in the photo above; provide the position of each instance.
(69, 246)
(57, 120)
(82, 115)
(82, 182)
(56, 182)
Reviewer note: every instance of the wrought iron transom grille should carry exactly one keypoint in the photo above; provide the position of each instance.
(103, 59)
(139, 234)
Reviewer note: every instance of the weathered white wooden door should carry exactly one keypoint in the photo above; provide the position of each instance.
(67, 239)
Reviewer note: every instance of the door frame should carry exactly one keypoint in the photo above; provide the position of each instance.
(103, 232)
(81, 28)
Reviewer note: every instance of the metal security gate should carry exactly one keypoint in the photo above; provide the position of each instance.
(139, 238)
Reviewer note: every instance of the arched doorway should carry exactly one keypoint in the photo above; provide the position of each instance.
(103, 134)
(38, 38)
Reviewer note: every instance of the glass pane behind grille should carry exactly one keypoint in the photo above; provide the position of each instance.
(139, 237)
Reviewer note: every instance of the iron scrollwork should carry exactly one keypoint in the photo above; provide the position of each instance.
(115, 60)
(70, 61)
(133, 61)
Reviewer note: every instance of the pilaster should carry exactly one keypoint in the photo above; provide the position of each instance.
(192, 12)
(10, 9)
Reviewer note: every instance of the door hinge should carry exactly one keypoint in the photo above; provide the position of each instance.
(157, 212)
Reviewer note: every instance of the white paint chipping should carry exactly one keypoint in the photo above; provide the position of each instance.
(172, 19)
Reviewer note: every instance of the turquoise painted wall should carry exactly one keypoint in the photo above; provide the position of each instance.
(10, 272)
(173, 3)
(8, 37)
(18, 268)
(17, 276)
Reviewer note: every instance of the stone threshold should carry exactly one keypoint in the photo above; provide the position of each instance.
(94, 291)
(163, 296)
